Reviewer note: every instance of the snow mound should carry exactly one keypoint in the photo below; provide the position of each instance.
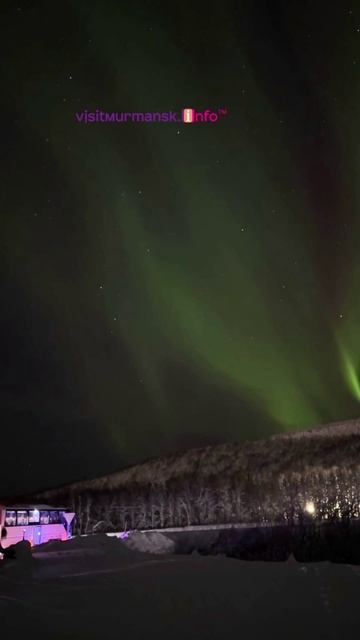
(23, 553)
(94, 545)
(149, 542)
(22, 562)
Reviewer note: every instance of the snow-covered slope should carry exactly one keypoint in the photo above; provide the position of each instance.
(334, 444)
(332, 430)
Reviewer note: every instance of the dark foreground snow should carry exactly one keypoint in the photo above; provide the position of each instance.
(98, 588)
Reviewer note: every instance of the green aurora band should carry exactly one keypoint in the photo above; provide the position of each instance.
(221, 266)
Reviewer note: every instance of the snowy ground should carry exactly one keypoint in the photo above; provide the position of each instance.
(98, 588)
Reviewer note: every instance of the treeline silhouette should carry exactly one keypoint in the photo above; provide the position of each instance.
(269, 481)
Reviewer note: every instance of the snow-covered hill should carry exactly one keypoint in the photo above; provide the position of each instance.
(332, 430)
(269, 480)
(327, 446)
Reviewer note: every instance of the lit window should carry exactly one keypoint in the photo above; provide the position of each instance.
(34, 516)
(44, 517)
(54, 517)
(10, 518)
(22, 518)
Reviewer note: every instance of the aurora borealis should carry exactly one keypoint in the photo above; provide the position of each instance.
(166, 285)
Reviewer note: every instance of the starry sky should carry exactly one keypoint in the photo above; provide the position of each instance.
(167, 285)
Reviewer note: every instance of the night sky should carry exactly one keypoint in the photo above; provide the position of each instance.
(168, 285)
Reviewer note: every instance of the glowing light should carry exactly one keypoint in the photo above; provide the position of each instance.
(124, 535)
(310, 508)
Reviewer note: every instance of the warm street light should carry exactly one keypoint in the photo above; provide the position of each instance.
(310, 508)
